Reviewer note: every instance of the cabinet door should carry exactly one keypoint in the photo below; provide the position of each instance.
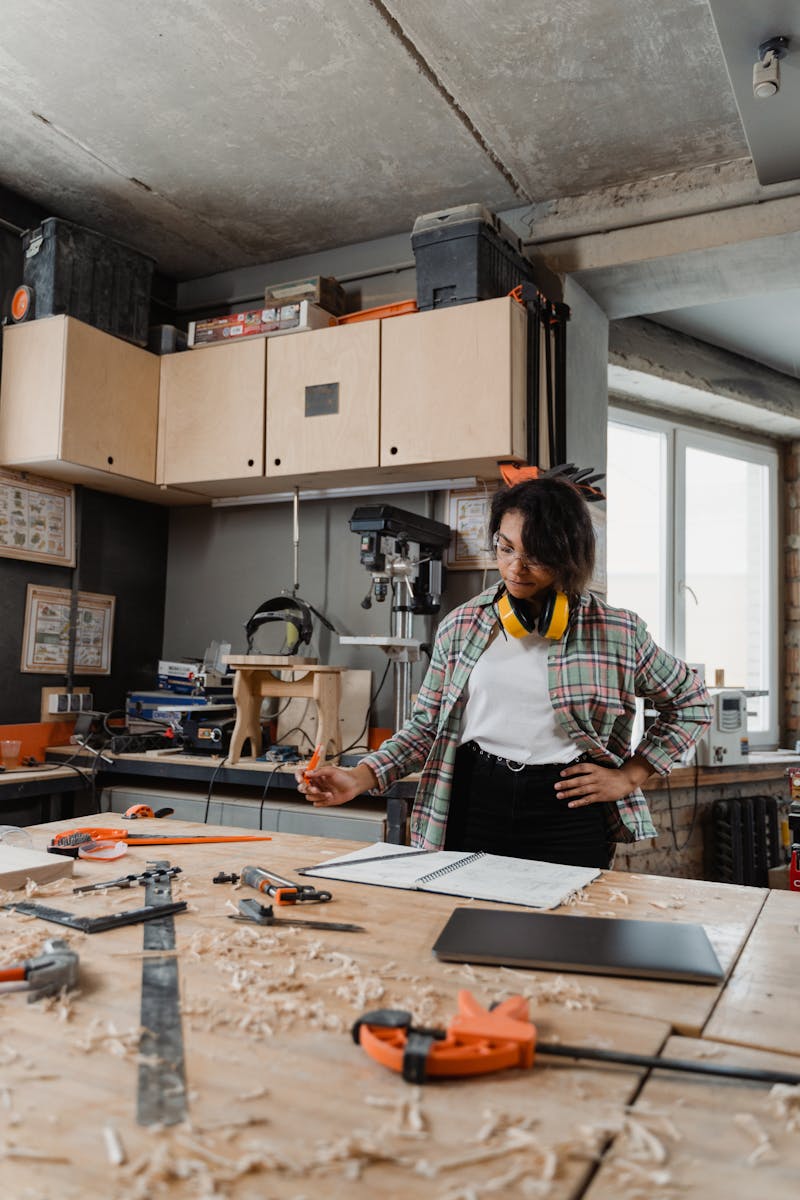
(30, 397)
(453, 385)
(109, 414)
(322, 400)
(212, 413)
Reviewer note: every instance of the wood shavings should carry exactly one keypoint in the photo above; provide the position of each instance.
(629, 1173)
(23, 1152)
(763, 1146)
(579, 897)
(104, 1036)
(554, 989)
(355, 1151)
(784, 1103)
(115, 1151)
(409, 1120)
(673, 902)
(616, 894)
(642, 1144)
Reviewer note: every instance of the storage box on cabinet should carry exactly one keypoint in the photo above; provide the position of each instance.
(322, 401)
(453, 387)
(212, 413)
(72, 395)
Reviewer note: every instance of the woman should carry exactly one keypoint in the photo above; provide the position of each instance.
(522, 727)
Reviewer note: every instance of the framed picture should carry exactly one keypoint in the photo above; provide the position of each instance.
(37, 519)
(45, 640)
(468, 517)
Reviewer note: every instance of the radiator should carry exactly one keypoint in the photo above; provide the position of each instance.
(745, 840)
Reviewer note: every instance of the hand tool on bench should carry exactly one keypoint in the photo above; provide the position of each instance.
(45, 974)
(261, 914)
(283, 891)
(480, 1040)
(69, 840)
(125, 881)
(144, 810)
(161, 1096)
(131, 916)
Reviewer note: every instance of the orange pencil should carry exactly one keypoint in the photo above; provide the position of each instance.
(313, 763)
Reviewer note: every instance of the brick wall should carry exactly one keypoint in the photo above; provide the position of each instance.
(659, 855)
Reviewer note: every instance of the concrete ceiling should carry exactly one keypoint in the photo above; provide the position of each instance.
(217, 136)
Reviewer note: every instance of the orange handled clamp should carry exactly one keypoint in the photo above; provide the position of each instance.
(478, 1041)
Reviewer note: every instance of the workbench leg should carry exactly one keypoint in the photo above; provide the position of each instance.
(327, 695)
(247, 694)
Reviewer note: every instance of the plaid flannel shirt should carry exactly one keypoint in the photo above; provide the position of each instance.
(596, 670)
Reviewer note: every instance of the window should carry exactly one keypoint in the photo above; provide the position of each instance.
(692, 547)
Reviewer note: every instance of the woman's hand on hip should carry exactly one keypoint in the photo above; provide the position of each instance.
(590, 783)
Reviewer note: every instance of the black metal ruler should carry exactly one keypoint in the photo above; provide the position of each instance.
(161, 1096)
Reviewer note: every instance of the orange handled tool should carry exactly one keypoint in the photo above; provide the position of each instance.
(313, 763)
(283, 891)
(69, 840)
(481, 1040)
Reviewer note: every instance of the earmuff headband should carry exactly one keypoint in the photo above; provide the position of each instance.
(517, 620)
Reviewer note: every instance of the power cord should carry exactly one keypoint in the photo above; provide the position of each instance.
(695, 807)
(370, 707)
(211, 783)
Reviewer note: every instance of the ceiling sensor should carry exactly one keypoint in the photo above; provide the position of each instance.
(767, 67)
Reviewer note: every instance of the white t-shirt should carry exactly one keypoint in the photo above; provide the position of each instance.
(508, 710)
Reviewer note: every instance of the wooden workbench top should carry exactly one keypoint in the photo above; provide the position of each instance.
(758, 1006)
(281, 1102)
(687, 1136)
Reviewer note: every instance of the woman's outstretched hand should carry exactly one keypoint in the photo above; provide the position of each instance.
(329, 786)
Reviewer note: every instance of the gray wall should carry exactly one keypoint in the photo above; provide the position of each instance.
(223, 562)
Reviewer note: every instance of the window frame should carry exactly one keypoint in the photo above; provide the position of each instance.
(679, 437)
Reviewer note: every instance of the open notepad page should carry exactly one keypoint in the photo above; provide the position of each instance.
(456, 873)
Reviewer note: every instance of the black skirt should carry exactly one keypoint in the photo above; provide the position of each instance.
(518, 813)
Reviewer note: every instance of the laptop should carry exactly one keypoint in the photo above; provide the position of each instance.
(678, 952)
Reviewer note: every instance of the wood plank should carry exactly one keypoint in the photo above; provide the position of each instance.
(18, 864)
(762, 991)
(281, 1102)
(733, 1139)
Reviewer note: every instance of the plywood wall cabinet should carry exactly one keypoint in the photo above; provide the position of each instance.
(211, 423)
(453, 387)
(323, 401)
(77, 403)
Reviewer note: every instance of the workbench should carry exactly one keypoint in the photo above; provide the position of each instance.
(250, 793)
(282, 1103)
(52, 786)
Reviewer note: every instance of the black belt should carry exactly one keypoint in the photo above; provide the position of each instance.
(517, 767)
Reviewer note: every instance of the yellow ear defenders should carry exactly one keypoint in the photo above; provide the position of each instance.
(517, 620)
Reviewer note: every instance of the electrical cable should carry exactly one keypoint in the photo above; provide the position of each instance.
(211, 782)
(369, 714)
(695, 808)
(267, 786)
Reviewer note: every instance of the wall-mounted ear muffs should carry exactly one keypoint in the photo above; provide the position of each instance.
(296, 613)
(517, 619)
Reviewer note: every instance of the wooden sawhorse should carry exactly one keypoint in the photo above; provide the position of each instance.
(256, 679)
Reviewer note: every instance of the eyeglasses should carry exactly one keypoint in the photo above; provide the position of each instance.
(506, 554)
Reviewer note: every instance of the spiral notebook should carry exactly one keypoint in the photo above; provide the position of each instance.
(478, 876)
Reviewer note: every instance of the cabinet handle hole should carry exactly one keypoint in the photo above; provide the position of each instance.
(110, 460)
(250, 462)
(277, 462)
(393, 449)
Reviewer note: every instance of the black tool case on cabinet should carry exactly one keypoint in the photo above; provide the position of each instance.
(466, 254)
(81, 273)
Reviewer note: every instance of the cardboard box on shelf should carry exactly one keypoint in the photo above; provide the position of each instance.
(259, 322)
(323, 290)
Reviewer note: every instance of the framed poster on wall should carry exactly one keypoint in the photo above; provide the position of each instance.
(468, 517)
(45, 640)
(37, 519)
